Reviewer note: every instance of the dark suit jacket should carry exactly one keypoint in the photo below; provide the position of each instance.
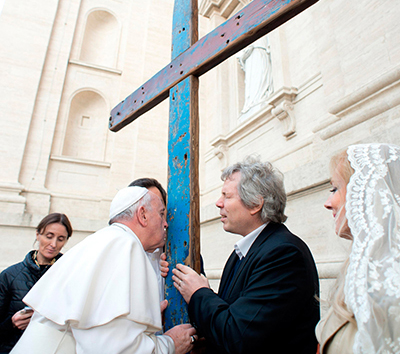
(270, 306)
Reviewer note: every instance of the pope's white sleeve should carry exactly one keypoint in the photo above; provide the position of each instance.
(165, 344)
(154, 259)
(121, 336)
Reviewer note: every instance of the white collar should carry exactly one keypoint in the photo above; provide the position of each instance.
(244, 244)
(122, 226)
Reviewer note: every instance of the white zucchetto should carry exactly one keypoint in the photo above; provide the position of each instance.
(125, 198)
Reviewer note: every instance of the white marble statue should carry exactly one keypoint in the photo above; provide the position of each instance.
(255, 60)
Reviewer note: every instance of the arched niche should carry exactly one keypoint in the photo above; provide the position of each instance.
(86, 133)
(101, 39)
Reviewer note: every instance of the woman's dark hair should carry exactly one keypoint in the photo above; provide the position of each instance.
(148, 183)
(55, 218)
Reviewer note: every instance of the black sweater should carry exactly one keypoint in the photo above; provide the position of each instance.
(15, 282)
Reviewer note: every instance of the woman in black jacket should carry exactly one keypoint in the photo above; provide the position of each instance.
(52, 233)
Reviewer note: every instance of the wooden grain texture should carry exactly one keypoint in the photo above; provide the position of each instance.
(183, 244)
(252, 22)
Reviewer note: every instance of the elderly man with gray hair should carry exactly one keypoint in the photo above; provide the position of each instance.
(266, 301)
(103, 295)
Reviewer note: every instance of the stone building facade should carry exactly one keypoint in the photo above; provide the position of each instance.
(335, 70)
(65, 64)
(335, 73)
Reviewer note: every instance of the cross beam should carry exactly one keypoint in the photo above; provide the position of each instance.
(179, 81)
(252, 22)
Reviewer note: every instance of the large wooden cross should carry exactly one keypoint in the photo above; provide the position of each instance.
(179, 81)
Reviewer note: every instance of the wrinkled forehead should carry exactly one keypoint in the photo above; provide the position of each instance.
(231, 184)
(234, 177)
(156, 191)
(156, 201)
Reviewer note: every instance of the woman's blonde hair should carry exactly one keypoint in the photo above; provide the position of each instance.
(340, 165)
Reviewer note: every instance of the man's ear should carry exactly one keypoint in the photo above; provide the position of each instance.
(257, 209)
(142, 216)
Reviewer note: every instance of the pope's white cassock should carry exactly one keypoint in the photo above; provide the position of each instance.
(100, 297)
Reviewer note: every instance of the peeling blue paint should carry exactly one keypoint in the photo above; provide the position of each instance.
(180, 187)
(255, 20)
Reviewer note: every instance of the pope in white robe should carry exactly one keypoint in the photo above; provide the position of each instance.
(102, 296)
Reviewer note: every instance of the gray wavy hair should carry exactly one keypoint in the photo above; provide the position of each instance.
(130, 212)
(260, 181)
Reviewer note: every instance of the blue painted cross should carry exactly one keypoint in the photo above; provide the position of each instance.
(179, 81)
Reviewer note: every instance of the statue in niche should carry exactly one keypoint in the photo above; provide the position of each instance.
(255, 61)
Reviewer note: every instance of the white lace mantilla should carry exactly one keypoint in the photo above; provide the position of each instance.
(372, 286)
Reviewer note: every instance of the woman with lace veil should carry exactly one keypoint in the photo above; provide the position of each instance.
(364, 316)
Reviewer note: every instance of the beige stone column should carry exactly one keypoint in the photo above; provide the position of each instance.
(23, 49)
(39, 142)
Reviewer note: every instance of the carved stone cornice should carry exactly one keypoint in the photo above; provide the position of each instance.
(280, 105)
(223, 8)
(221, 151)
(283, 110)
(11, 200)
(11, 192)
(369, 101)
(246, 127)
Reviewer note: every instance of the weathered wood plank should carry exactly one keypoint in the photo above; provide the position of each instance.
(252, 22)
(183, 244)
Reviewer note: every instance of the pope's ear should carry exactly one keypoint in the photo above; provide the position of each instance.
(142, 216)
